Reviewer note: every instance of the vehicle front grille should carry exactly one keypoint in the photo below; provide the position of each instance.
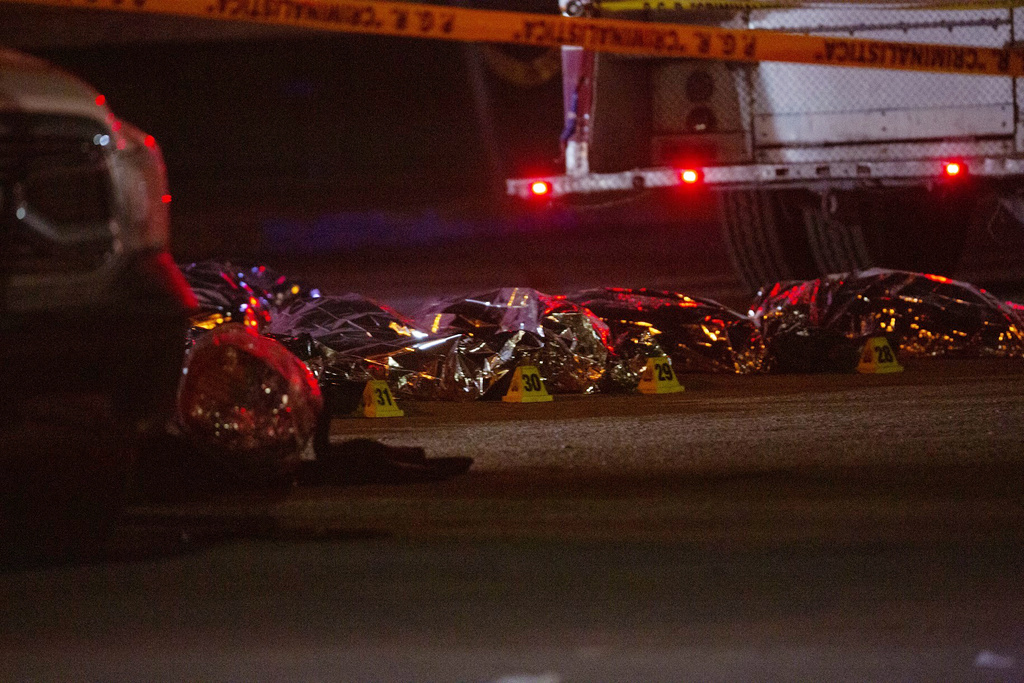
(56, 195)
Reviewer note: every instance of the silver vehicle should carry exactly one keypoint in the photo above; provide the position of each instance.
(818, 169)
(93, 310)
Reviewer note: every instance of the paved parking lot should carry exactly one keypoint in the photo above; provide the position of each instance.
(761, 528)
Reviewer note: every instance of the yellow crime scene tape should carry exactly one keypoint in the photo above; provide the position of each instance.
(410, 20)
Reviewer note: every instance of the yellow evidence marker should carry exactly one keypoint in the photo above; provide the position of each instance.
(878, 357)
(527, 387)
(378, 401)
(659, 378)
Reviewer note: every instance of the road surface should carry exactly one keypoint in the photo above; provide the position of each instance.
(801, 527)
(812, 527)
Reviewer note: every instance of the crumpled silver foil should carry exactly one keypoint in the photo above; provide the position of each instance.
(243, 294)
(351, 339)
(516, 326)
(345, 323)
(249, 399)
(457, 367)
(824, 322)
(698, 335)
(429, 367)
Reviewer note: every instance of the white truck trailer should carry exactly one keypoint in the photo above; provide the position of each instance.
(817, 169)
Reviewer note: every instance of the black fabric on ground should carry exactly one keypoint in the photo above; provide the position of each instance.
(365, 461)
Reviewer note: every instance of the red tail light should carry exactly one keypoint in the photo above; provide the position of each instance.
(690, 176)
(539, 188)
(954, 169)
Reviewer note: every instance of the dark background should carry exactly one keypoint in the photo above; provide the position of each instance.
(260, 124)
(284, 143)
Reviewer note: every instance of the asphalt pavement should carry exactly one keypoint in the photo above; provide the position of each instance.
(806, 527)
(754, 528)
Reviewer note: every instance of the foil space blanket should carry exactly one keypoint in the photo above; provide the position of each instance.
(599, 340)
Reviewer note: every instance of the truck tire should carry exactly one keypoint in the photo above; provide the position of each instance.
(765, 236)
(903, 228)
(836, 245)
(775, 235)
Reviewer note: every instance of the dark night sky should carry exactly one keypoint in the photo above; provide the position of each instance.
(323, 121)
(260, 123)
